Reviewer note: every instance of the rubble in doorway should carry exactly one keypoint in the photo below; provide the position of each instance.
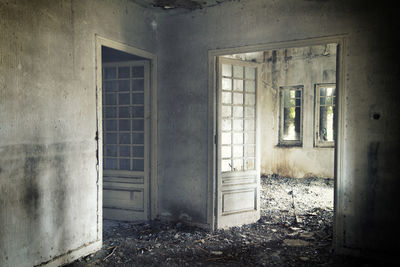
(294, 230)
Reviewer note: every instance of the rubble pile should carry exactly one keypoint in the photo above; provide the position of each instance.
(295, 230)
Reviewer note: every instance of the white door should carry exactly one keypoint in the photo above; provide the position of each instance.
(126, 101)
(238, 153)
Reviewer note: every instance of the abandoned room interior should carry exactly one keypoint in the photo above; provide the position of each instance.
(185, 132)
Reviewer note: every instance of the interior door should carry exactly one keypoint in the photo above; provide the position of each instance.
(238, 153)
(126, 101)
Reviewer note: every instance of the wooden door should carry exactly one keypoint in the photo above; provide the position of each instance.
(126, 101)
(238, 153)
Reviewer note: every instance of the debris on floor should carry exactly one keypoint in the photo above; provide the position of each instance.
(295, 229)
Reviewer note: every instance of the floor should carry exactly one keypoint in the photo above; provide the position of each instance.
(295, 230)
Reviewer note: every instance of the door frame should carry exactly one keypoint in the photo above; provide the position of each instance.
(339, 185)
(99, 43)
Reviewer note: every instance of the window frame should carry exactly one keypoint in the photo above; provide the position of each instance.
(317, 142)
(290, 143)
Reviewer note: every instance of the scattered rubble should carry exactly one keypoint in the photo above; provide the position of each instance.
(295, 230)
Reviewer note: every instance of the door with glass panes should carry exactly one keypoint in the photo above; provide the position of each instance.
(238, 159)
(126, 140)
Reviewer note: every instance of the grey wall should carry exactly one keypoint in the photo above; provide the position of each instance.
(368, 189)
(48, 192)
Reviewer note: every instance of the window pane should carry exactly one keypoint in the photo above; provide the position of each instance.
(227, 70)
(237, 165)
(125, 151)
(124, 112)
(237, 111)
(238, 138)
(226, 165)
(110, 99)
(237, 98)
(111, 112)
(138, 165)
(138, 112)
(138, 99)
(250, 151)
(138, 72)
(138, 151)
(250, 86)
(250, 138)
(226, 124)
(111, 138)
(250, 73)
(138, 85)
(238, 71)
(250, 164)
(138, 138)
(124, 164)
(249, 111)
(226, 151)
(226, 138)
(250, 99)
(110, 164)
(238, 85)
(326, 131)
(250, 125)
(125, 138)
(226, 111)
(124, 85)
(111, 125)
(111, 86)
(226, 98)
(238, 125)
(124, 99)
(138, 125)
(124, 125)
(291, 116)
(111, 151)
(110, 73)
(237, 151)
(123, 72)
(226, 84)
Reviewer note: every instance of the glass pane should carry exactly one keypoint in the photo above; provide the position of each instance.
(123, 72)
(138, 112)
(138, 138)
(226, 84)
(110, 73)
(250, 125)
(124, 164)
(226, 124)
(111, 86)
(237, 111)
(226, 138)
(227, 70)
(249, 111)
(237, 165)
(124, 85)
(124, 99)
(138, 125)
(124, 125)
(226, 98)
(238, 85)
(111, 138)
(138, 151)
(250, 73)
(125, 151)
(238, 125)
(124, 112)
(250, 86)
(225, 151)
(322, 101)
(111, 112)
(110, 99)
(250, 151)
(111, 151)
(322, 92)
(110, 164)
(226, 165)
(138, 85)
(250, 99)
(326, 131)
(138, 99)
(238, 71)
(291, 118)
(124, 138)
(111, 125)
(138, 165)
(237, 151)
(226, 111)
(238, 138)
(250, 164)
(250, 138)
(138, 72)
(237, 98)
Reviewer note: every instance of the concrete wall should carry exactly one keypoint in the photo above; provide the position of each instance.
(367, 190)
(48, 191)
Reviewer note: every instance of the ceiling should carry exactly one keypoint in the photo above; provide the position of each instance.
(179, 4)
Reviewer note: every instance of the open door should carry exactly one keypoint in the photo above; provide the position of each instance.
(126, 134)
(238, 157)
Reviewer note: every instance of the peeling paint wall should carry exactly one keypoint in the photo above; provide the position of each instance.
(48, 177)
(365, 203)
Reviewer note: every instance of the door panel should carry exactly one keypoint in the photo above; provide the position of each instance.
(126, 125)
(238, 159)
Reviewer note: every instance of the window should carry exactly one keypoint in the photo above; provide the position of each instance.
(325, 102)
(291, 113)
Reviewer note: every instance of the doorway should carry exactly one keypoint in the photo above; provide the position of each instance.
(294, 127)
(126, 119)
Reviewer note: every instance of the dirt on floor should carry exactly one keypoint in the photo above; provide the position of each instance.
(295, 229)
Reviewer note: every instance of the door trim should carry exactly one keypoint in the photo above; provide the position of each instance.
(339, 183)
(99, 42)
